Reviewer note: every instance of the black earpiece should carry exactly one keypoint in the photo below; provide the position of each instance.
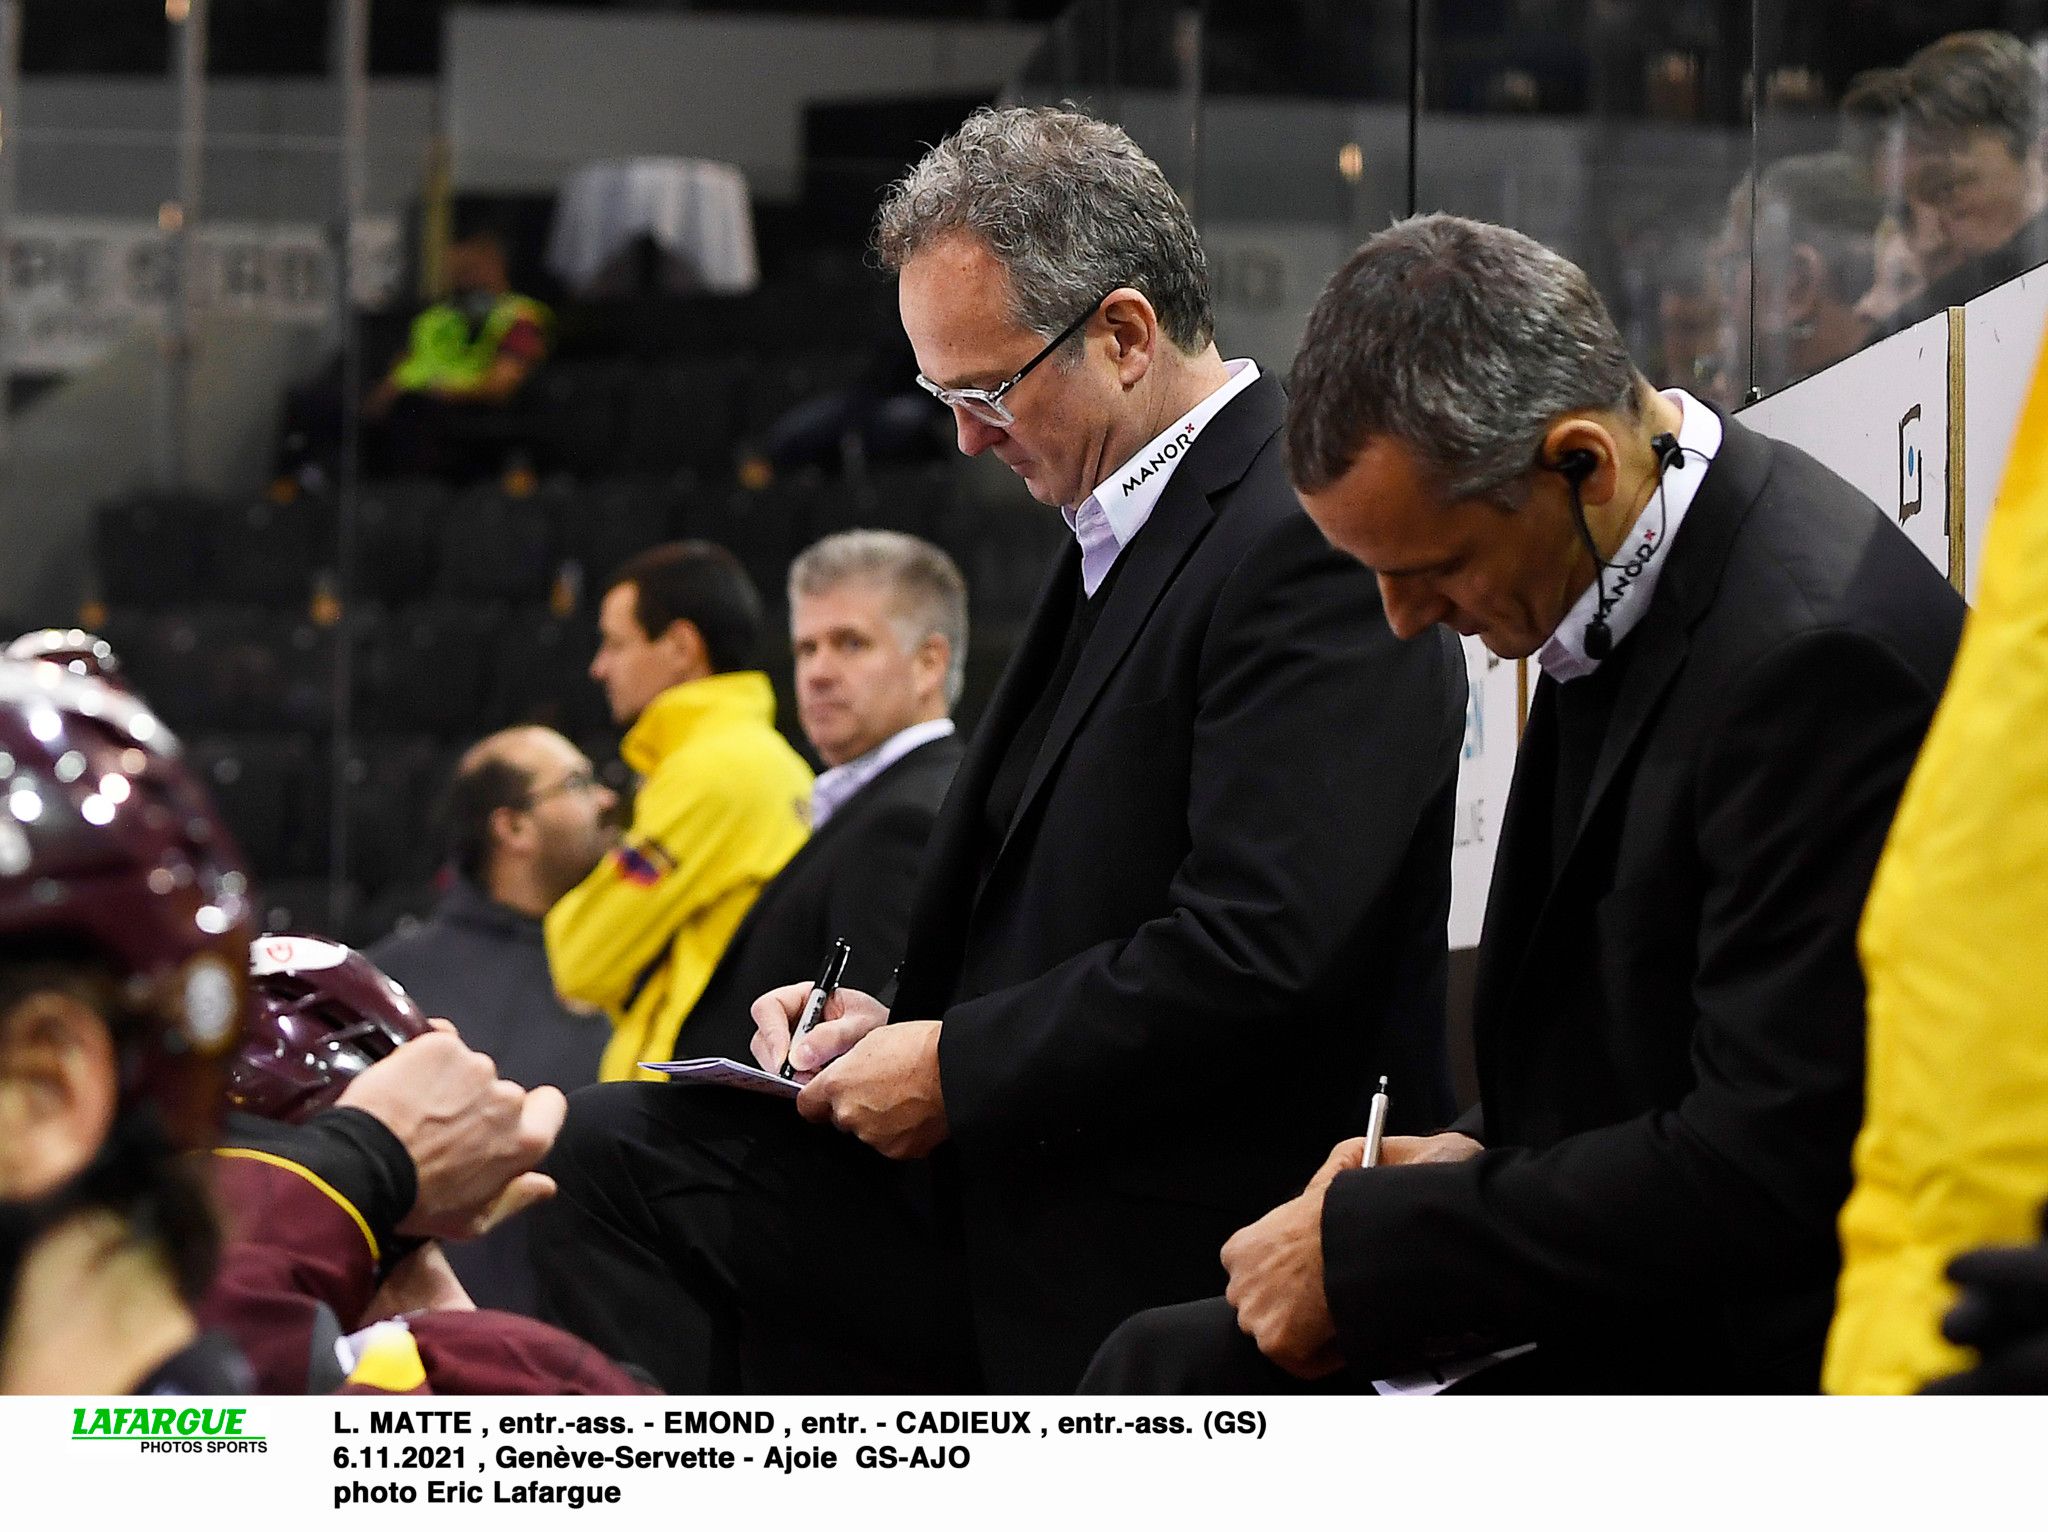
(1669, 454)
(1577, 465)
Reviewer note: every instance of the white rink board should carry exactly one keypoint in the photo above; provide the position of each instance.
(1880, 420)
(1486, 765)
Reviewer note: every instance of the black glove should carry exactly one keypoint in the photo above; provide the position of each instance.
(2002, 1310)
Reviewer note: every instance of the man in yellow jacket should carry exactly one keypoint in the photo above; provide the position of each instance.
(723, 800)
(1954, 1148)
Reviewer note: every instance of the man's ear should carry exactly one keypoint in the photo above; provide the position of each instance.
(59, 1085)
(686, 645)
(513, 828)
(934, 657)
(1805, 280)
(1134, 333)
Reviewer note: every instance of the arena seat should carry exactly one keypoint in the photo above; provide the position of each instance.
(496, 546)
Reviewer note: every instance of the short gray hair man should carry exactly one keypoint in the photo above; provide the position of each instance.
(1072, 207)
(929, 594)
(1481, 338)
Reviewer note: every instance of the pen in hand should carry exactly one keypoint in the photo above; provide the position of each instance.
(1376, 1125)
(828, 981)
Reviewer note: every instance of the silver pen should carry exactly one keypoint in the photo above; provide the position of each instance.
(1376, 1125)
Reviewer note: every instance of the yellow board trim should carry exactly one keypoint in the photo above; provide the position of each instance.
(297, 1169)
(1958, 455)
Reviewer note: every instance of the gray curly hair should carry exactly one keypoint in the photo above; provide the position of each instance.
(1070, 205)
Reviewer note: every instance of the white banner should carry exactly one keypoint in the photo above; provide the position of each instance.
(851, 1464)
(76, 286)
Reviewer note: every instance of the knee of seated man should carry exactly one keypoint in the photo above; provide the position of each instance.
(599, 1125)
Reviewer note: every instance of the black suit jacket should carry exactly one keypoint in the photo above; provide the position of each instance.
(1670, 1027)
(854, 878)
(1219, 908)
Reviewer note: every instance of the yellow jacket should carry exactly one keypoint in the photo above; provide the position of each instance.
(1954, 1148)
(723, 803)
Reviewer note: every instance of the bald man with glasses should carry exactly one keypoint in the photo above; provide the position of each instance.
(525, 819)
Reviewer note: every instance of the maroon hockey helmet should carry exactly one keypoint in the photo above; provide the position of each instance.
(108, 845)
(319, 1015)
(80, 652)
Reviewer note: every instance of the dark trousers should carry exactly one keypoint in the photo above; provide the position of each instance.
(1197, 1348)
(723, 1244)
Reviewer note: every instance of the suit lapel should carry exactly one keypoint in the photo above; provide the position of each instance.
(1657, 653)
(1219, 458)
(1519, 887)
(1684, 592)
(945, 894)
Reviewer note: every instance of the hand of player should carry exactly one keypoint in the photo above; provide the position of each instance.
(423, 1280)
(474, 1138)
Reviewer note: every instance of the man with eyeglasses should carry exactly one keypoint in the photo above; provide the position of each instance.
(525, 820)
(1186, 896)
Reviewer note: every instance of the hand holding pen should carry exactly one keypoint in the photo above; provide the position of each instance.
(821, 992)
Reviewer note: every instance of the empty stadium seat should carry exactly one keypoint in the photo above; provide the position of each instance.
(390, 785)
(308, 905)
(496, 546)
(605, 524)
(684, 415)
(428, 669)
(150, 548)
(398, 539)
(543, 674)
(268, 554)
(578, 414)
(271, 789)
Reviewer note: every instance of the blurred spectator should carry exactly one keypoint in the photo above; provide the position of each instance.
(1728, 268)
(880, 417)
(442, 409)
(1873, 133)
(526, 819)
(723, 802)
(1689, 314)
(1815, 239)
(1975, 183)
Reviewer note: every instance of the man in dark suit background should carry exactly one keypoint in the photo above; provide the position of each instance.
(1163, 937)
(1669, 1011)
(878, 623)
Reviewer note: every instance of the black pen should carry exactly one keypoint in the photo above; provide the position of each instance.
(828, 981)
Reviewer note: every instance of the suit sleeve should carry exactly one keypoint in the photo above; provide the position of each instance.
(1318, 742)
(701, 829)
(1735, 1190)
(871, 908)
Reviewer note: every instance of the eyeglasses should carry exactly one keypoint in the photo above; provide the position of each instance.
(582, 781)
(986, 404)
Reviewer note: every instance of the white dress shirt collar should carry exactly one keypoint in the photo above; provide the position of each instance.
(1108, 519)
(1637, 564)
(829, 794)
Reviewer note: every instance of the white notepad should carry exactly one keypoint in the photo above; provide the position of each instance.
(727, 1072)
